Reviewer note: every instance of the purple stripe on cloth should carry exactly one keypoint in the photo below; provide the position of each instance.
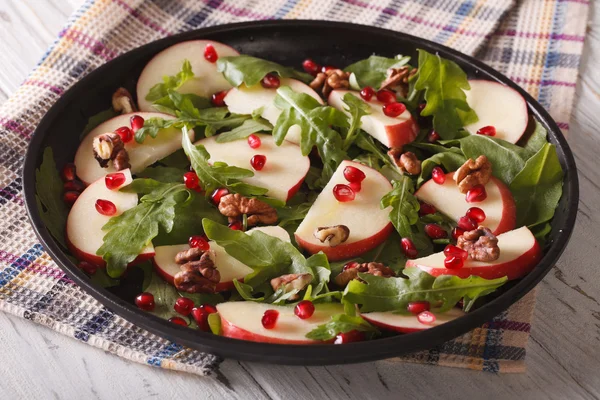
(509, 325)
(15, 127)
(240, 12)
(563, 125)
(141, 18)
(539, 35)
(52, 88)
(36, 267)
(89, 43)
(543, 82)
(5, 193)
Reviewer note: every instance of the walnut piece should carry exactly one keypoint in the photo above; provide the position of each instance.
(481, 244)
(109, 147)
(291, 282)
(198, 276)
(330, 80)
(406, 162)
(234, 206)
(373, 268)
(191, 254)
(333, 235)
(122, 102)
(473, 173)
(397, 79)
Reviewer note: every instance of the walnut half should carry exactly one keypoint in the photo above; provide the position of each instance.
(330, 80)
(333, 235)
(109, 147)
(234, 206)
(373, 268)
(481, 244)
(473, 173)
(406, 162)
(198, 276)
(122, 102)
(291, 282)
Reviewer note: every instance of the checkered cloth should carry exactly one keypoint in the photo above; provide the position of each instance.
(538, 44)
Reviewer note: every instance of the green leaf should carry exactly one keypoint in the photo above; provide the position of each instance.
(405, 206)
(176, 160)
(366, 143)
(249, 127)
(165, 296)
(444, 83)
(171, 104)
(537, 140)
(214, 323)
(356, 108)
(49, 197)
(506, 158)
(163, 174)
(341, 323)
(160, 90)
(450, 160)
(100, 278)
(97, 119)
(250, 70)
(393, 294)
(289, 214)
(246, 291)
(372, 71)
(537, 188)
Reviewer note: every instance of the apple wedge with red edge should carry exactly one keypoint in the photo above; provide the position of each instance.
(242, 320)
(519, 254)
(246, 100)
(228, 267)
(390, 131)
(206, 81)
(84, 234)
(499, 206)
(141, 155)
(409, 323)
(498, 106)
(368, 224)
(283, 172)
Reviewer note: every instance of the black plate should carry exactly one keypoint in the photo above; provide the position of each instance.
(286, 42)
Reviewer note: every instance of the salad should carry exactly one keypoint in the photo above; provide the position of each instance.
(330, 204)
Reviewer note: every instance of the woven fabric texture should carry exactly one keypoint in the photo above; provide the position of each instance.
(538, 44)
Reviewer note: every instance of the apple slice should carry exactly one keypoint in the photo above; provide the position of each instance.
(84, 223)
(409, 323)
(245, 100)
(283, 172)
(519, 253)
(369, 225)
(229, 267)
(242, 320)
(392, 132)
(499, 206)
(141, 155)
(206, 81)
(499, 106)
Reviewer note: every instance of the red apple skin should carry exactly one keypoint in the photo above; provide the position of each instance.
(514, 269)
(402, 133)
(295, 188)
(231, 331)
(97, 260)
(348, 250)
(221, 286)
(390, 327)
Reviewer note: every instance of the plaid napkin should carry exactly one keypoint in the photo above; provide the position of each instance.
(538, 44)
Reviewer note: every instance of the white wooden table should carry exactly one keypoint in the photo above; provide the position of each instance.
(563, 355)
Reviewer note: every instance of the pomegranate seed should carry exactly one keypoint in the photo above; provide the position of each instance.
(393, 109)
(254, 141)
(421, 107)
(145, 301)
(70, 197)
(386, 96)
(258, 162)
(68, 172)
(453, 262)
(426, 317)
(269, 319)
(73, 186)
(125, 133)
(200, 315)
(236, 226)
(87, 267)
(327, 68)
(136, 122)
(210, 54)
(218, 99)
(457, 232)
(455, 251)
(350, 265)
(106, 207)
(353, 174)
(343, 193)
(426, 209)
(476, 214)
(438, 175)
(433, 136)
(367, 93)
(270, 81)
(476, 194)
(191, 180)
(114, 181)
(408, 247)
(417, 307)
(466, 224)
(209, 308)
(487, 131)
(183, 306)
(305, 309)
(348, 337)
(217, 194)
(435, 231)
(356, 186)
(199, 242)
(311, 67)
(178, 321)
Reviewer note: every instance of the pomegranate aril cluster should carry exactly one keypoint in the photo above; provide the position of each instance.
(199, 242)
(311, 67)
(269, 319)
(455, 257)
(200, 315)
(354, 176)
(72, 188)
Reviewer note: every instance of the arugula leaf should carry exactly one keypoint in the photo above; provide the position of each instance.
(176, 160)
(536, 141)
(48, 197)
(250, 70)
(100, 278)
(247, 128)
(163, 174)
(341, 323)
(372, 71)
(537, 188)
(405, 206)
(366, 143)
(97, 119)
(218, 174)
(214, 323)
(170, 104)
(393, 294)
(290, 214)
(356, 108)
(246, 291)
(444, 83)
(171, 82)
